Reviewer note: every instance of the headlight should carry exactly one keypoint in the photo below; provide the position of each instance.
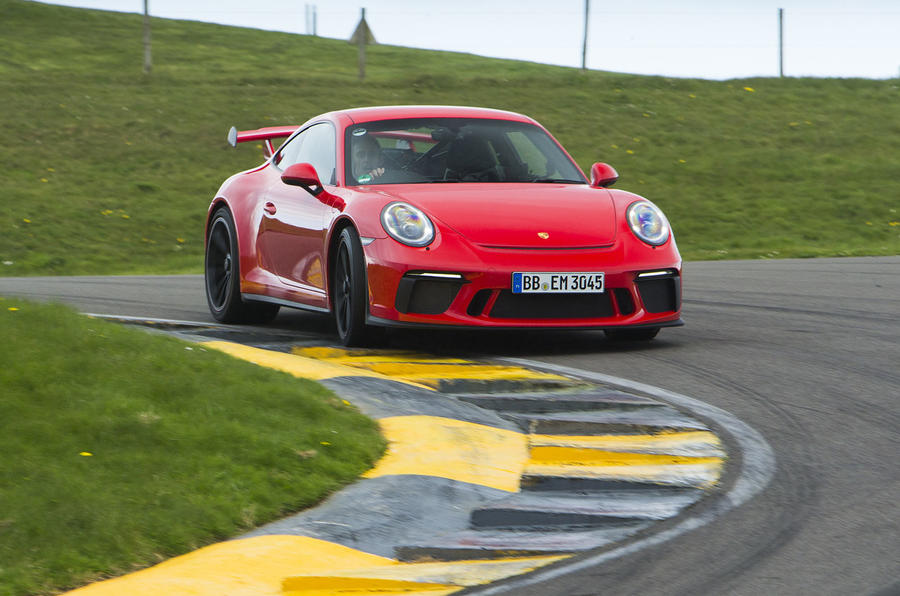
(648, 223)
(407, 224)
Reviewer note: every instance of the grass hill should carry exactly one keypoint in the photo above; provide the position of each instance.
(106, 170)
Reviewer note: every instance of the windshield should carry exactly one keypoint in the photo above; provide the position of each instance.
(435, 150)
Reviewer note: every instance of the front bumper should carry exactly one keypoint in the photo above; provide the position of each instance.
(455, 283)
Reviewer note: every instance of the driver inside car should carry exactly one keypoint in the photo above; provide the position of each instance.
(366, 158)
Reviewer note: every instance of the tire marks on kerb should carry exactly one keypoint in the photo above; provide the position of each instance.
(757, 469)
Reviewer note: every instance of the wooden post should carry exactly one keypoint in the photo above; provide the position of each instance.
(361, 46)
(361, 37)
(587, 10)
(781, 42)
(148, 62)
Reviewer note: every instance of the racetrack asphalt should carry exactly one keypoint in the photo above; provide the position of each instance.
(804, 351)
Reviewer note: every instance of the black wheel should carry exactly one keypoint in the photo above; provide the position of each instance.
(645, 334)
(223, 279)
(349, 292)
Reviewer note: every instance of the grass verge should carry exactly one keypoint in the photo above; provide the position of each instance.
(107, 170)
(121, 448)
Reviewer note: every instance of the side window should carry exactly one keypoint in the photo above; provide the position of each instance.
(315, 146)
(287, 155)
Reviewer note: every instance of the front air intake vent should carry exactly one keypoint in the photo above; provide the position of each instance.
(418, 294)
(660, 295)
(552, 306)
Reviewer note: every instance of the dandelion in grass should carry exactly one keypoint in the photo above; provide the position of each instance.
(629, 152)
(86, 454)
(750, 89)
(326, 443)
(12, 309)
(26, 220)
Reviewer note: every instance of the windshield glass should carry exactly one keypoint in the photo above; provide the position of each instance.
(454, 150)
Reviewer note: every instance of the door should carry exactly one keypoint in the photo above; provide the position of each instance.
(293, 225)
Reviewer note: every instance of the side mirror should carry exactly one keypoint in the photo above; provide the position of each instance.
(603, 175)
(304, 176)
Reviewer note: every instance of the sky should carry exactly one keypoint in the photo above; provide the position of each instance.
(710, 39)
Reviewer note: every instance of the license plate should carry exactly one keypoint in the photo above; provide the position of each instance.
(558, 283)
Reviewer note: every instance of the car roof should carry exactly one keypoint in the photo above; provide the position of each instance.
(396, 112)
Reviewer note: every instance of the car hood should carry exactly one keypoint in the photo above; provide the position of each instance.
(532, 215)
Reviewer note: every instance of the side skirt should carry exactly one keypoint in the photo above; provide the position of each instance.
(282, 302)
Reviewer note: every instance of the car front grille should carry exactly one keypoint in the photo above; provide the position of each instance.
(551, 306)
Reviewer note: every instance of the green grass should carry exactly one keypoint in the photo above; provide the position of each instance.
(110, 171)
(187, 447)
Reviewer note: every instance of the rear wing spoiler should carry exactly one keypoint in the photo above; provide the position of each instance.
(265, 135)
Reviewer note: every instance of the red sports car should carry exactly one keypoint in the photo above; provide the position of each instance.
(436, 216)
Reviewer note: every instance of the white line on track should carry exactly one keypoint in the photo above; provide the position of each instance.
(173, 322)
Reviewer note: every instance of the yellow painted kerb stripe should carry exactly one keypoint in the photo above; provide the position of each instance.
(299, 366)
(249, 567)
(277, 565)
(658, 443)
(598, 457)
(448, 448)
(439, 577)
(422, 368)
(696, 475)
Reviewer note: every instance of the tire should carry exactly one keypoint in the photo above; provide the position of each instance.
(645, 334)
(222, 276)
(350, 294)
